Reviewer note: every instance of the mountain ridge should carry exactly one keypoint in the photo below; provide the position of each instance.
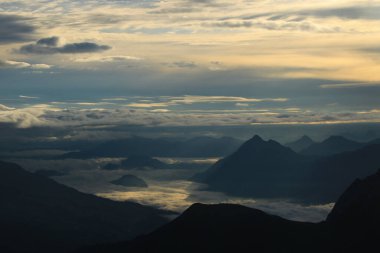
(38, 214)
(332, 145)
(300, 144)
(266, 169)
(231, 227)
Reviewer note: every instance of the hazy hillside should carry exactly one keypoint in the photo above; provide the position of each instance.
(266, 169)
(39, 215)
(352, 226)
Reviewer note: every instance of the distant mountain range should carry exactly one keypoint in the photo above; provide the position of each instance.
(38, 214)
(130, 181)
(266, 169)
(331, 146)
(140, 161)
(300, 144)
(352, 226)
(258, 168)
(195, 147)
(146, 162)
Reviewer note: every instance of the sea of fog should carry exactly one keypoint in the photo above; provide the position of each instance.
(168, 188)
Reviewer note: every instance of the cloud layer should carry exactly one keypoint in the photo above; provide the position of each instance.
(50, 46)
(15, 28)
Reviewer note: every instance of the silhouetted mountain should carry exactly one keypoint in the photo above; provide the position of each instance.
(352, 226)
(355, 216)
(38, 214)
(196, 147)
(225, 228)
(331, 146)
(49, 173)
(130, 181)
(359, 203)
(258, 169)
(332, 175)
(140, 161)
(300, 144)
(143, 162)
(265, 169)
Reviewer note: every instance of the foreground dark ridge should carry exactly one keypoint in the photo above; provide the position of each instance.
(352, 226)
(40, 215)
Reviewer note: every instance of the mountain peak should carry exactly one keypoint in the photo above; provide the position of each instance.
(256, 143)
(332, 145)
(301, 143)
(305, 138)
(336, 138)
(256, 138)
(225, 210)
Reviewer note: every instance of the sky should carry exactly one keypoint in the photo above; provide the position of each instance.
(188, 63)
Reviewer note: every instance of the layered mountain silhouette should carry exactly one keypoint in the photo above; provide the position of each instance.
(196, 147)
(331, 175)
(258, 169)
(38, 214)
(355, 217)
(146, 162)
(352, 226)
(223, 228)
(130, 181)
(140, 161)
(266, 169)
(300, 144)
(331, 146)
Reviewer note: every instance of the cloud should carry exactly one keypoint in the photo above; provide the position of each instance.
(349, 85)
(50, 46)
(373, 111)
(51, 41)
(181, 64)
(272, 25)
(14, 28)
(115, 99)
(95, 115)
(26, 117)
(109, 59)
(22, 65)
(369, 12)
(188, 100)
(242, 104)
(5, 108)
(353, 12)
(27, 97)
(147, 105)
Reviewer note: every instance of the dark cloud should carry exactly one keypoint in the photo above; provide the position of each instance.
(245, 24)
(181, 64)
(375, 50)
(101, 18)
(184, 9)
(270, 25)
(52, 41)
(15, 29)
(353, 12)
(50, 46)
(83, 47)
